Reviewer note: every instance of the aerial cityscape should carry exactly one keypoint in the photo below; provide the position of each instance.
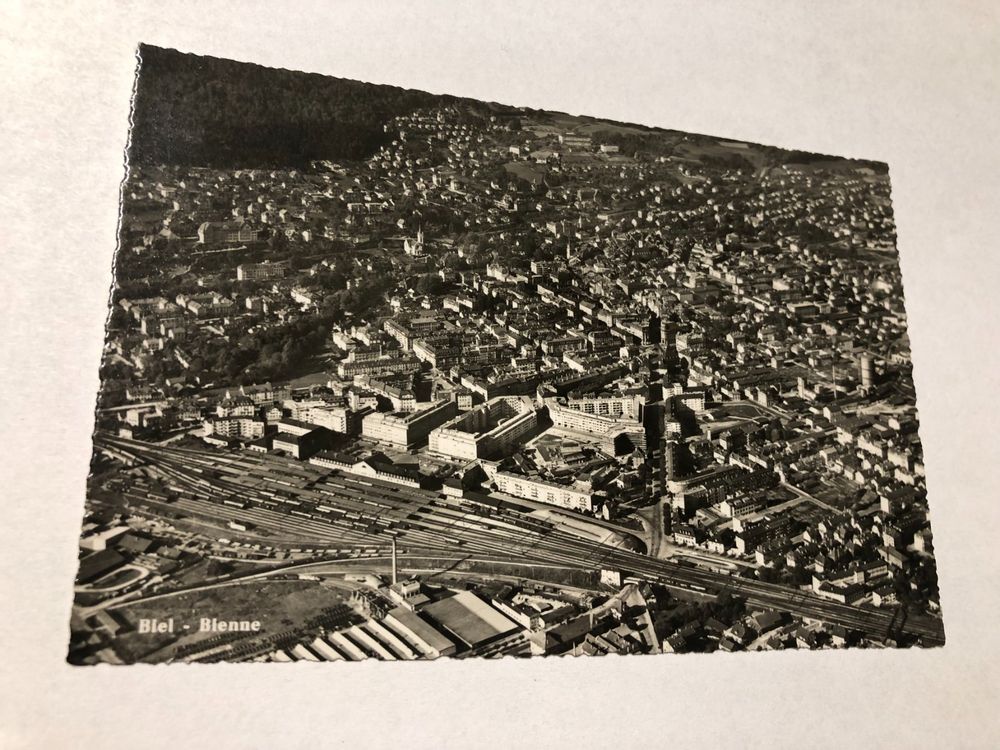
(396, 375)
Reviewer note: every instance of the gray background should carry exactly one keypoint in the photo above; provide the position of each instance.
(913, 84)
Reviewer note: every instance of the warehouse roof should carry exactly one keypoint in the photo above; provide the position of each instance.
(469, 618)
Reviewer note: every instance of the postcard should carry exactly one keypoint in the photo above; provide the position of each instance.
(396, 375)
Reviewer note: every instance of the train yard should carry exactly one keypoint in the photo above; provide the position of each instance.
(334, 511)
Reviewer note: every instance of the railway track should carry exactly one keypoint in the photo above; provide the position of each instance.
(329, 506)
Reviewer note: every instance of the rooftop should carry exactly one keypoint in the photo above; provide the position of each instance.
(469, 618)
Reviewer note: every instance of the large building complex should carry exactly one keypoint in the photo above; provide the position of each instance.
(389, 363)
(226, 232)
(609, 418)
(338, 418)
(595, 415)
(614, 405)
(405, 430)
(265, 271)
(469, 619)
(487, 431)
(241, 427)
(545, 491)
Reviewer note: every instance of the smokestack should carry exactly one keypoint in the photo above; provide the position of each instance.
(394, 559)
(867, 367)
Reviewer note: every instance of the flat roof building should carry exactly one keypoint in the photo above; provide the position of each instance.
(98, 564)
(470, 619)
(265, 271)
(302, 446)
(596, 415)
(406, 429)
(418, 633)
(551, 493)
(487, 431)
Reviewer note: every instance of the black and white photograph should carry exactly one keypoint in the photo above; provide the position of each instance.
(627, 369)
(398, 376)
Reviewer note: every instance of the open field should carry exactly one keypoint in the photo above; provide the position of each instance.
(277, 605)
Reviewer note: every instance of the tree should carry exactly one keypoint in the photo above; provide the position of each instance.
(277, 243)
(453, 262)
(218, 568)
(119, 320)
(221, 113)
(430, 284)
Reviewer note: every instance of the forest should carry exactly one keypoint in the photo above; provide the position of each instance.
(211, 112)
(206, 111)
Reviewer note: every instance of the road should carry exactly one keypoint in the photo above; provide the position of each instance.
(331, 567)
(806, 496)
(771, 410)
(651, 518)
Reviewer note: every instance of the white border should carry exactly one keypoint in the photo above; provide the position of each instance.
(912, 84)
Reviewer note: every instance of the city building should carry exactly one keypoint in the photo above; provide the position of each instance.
(468, 619)
(302, 445)
(404, 430)
(545, 491)
(487, 431)
(241, 427)
(215, 232)
(265, 271)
